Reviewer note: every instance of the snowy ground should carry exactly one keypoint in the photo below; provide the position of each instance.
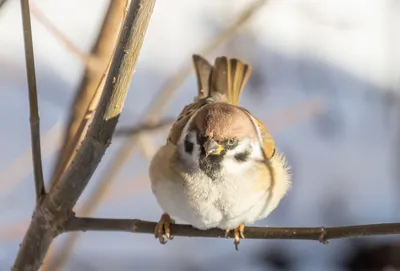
(343, 160)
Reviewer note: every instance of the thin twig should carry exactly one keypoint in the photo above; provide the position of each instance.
(54, 211)
(322, 234)
(33, 100)
(38, 14)
(2, 2)
(144, 128)
(101, 54)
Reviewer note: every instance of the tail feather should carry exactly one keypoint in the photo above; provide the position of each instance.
(203, 70)
(227, 77)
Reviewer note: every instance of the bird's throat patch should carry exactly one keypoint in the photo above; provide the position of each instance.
(211, 165)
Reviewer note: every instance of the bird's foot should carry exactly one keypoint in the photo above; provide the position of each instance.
(322, 238)
(238, 233)
(163, 228)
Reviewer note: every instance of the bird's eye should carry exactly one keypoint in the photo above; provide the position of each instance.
(231, 141)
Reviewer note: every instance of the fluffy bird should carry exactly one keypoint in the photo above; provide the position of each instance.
(219, 167)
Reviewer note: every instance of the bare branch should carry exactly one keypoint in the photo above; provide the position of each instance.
(54, 211)
(92, 203)
(69, 153)
(2, 2)
(300, 233)
(33, 100)
(144, 128)
(100, 56)
(58, 35)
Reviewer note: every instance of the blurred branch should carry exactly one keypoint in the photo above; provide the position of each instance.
(54, 211)
(147, 148)
(70, 151)
(2, 2)
(144, 128)
(100, 56)
(33, 100)
(284, 118)
(22, 166)
(85, 58)
(153, 114)
(321, 234)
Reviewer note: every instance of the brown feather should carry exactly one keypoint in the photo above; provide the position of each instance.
(202, 69)
(229, 77)
(183, 118)
(221, 118)
(222, 121)
(268, 141)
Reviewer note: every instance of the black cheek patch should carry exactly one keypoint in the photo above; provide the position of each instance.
(188, 146)
(242, 157)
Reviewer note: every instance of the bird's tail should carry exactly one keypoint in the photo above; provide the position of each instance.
(227, 77)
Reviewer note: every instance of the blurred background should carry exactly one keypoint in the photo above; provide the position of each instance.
(325, 81)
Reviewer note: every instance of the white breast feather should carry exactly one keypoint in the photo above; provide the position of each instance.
(226, 202)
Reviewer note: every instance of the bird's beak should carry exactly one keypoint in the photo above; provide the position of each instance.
(212, 147)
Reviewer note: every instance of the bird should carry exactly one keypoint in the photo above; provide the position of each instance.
(219, 167)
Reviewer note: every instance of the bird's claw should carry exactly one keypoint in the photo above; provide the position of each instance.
(322, 238)
(163, 228)
(238, 233)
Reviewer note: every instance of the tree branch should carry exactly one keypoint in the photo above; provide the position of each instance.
(36, 12)
(2, 2)
(144, 128)
(69, 153)
(33, 100)
(99, 60)
(321, 234)
(54, 211)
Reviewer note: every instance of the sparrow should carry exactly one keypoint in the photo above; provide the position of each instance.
(219, 167)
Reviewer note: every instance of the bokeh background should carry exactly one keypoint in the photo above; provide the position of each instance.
(325, 81)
